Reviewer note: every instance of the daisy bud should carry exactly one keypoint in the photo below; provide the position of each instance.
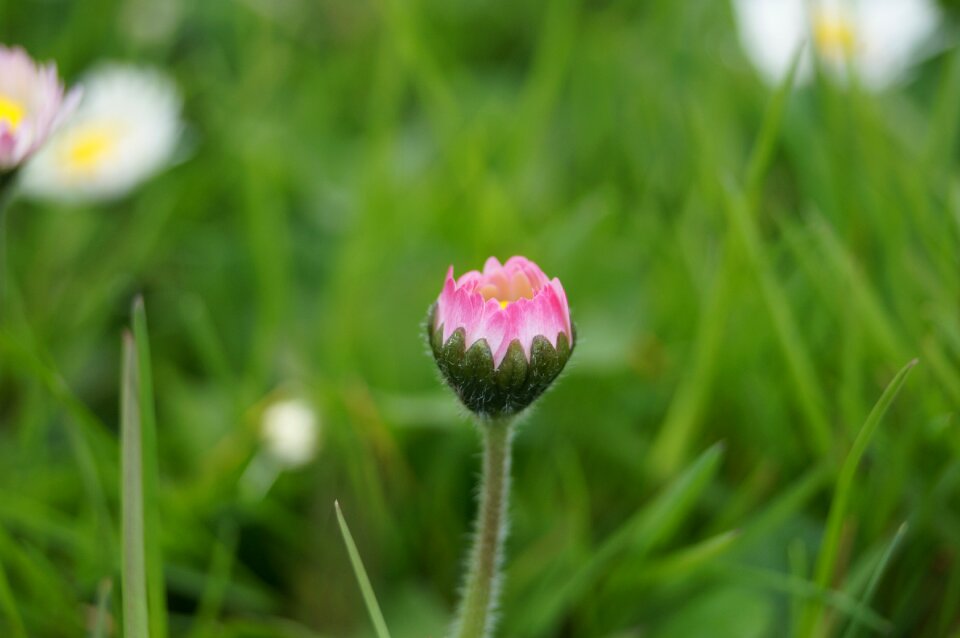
(290, 433)
(32, 104)
(125, 129)
(502, 336)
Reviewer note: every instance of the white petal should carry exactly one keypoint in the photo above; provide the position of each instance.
(894, 34)
(135, 114)
(772, 31)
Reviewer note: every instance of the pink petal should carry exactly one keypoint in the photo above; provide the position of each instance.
(462, 304)
(491, 265)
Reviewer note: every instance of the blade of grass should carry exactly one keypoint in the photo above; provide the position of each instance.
(89, 438)
(854, 628)
(798, 361)
(741, 210)
(637, 536)
(949, 611)
(24, 515)
(100, 623)
(549, 66)
(217, 581)
(800, 587)
(669, 450)
(156, 588)
(942, 130)
(766, 142)
(826, 561)
(680, 564)
(369, 597)
(134, 584)
(798, 561)
(9, 606)
(440, 103)
(859, 290)
(39, 582)
(789, 503)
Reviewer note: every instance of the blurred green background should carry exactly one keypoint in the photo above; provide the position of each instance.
(746, 280)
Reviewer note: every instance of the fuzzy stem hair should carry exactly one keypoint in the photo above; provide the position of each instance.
(477, 614)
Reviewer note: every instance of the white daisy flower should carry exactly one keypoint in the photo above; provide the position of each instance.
(125, 129)
(32, 104)
(878, 39)
(290, 432)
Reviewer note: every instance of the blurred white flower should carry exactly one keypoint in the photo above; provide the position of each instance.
(878, 39)
(290, 431)
(125, 129)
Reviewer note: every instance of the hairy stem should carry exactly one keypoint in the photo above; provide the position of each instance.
(478, 608)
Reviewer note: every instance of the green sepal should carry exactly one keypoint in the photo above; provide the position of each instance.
(504, 391)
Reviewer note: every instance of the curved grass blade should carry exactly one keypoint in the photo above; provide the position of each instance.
(134, 584)
(156, 588)
(826, 562)
(369, 597)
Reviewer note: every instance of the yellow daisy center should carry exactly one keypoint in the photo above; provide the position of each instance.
(87, 147)
(834, 36)
(505, 290)
(11, 111)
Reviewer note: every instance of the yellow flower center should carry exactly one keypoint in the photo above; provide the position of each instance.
(505, 290)
(11, 111)
(834, 36)
(87, 147)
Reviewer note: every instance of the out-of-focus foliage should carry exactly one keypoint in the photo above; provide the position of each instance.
(340, 155)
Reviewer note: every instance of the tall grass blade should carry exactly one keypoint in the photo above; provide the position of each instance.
(8, 605)
(217, 581)
(799, 364)
(366, 589)
(942, 129)
(134, 584)
(830, 548)
(798, 560)
(669, 451)
(766, 142)
(156, 589)
(881, 568)
(101, 621)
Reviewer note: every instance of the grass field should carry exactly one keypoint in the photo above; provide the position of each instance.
(748, 268)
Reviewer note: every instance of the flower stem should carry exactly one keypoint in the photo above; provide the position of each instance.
(7, 181)
(7, 184)
(481, 589)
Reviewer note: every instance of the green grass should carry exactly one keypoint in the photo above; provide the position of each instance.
(136, 614)
(369, 597)
(749, 267)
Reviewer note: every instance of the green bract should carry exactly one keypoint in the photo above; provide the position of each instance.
(496, 392)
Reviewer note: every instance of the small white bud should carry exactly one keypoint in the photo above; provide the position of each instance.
(290, 432)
